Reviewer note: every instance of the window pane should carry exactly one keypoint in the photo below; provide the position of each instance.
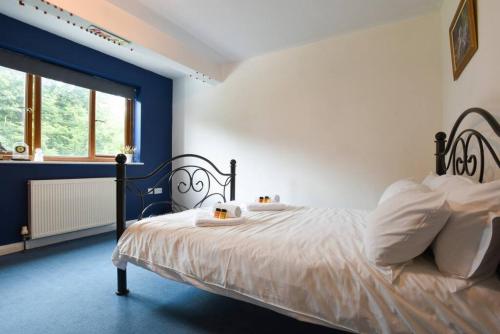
(65, 119)
(110, 116)
(12, 107)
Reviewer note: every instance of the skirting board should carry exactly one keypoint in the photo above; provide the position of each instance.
(11, 248)
(30, 244)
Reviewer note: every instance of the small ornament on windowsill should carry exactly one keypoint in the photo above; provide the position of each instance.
(129, 153)
(3, 151)
(38, 155)
(21, 152)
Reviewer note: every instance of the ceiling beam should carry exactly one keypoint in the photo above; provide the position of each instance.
(173, 57)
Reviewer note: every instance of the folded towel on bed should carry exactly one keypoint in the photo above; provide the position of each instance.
(274, 199)
(205, 220)
(233, 211)
(266, 206)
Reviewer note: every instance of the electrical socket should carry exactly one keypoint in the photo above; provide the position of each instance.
(155, 191)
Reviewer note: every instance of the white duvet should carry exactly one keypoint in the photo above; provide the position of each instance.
(309, 263)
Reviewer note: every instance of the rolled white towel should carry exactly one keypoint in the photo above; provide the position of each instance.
(233, 211)
(274, 199)
(266, 206)
(207, 221)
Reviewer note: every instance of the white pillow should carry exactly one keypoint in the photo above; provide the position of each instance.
(486, 264)
(398, 187)
(463, 248)
(434, 181)
(402, 227)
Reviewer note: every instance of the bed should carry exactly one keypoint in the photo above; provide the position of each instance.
(308, 263)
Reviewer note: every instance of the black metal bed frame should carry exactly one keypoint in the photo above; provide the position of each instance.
(203, 187)
(461, 162)
(465, 162)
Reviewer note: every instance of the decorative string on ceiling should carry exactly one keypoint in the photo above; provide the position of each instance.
(72, 20)
(200, 76)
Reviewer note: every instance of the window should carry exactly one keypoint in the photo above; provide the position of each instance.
(111, 115)
(67, 121)
(12, 107)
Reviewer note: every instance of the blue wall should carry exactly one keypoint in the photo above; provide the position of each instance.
(154, 94)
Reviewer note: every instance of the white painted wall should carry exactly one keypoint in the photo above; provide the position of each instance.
(326, 124)
(478, 86)
(479, 83)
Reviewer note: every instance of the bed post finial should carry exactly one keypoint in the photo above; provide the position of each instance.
(121, 174)
(232, 194)
(440, 153)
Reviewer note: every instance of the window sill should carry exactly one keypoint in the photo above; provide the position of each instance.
(66, 162)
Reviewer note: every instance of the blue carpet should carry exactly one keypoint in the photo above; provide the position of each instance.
(69, 288)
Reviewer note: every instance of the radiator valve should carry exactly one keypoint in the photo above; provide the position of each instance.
(25, 233)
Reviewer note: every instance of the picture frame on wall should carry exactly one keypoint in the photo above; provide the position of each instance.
(463, 36)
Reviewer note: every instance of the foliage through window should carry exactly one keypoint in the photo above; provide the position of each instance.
(12, 107)
(110, 121)
(68, 122)
(65, 119)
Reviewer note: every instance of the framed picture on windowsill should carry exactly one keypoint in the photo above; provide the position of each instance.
(463, 37)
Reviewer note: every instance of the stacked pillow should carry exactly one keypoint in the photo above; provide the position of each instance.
(445, 182)
(404, 224)
(458, 217)
(469, 244)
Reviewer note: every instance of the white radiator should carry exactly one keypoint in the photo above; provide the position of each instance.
(62, 206)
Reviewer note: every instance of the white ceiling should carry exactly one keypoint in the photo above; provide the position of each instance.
(234, 30)
(194, 37)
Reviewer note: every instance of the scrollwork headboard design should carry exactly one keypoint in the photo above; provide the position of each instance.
(189, 178)
(461, 161)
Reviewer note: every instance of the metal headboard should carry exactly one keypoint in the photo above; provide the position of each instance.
(193, 178)
(464, 161)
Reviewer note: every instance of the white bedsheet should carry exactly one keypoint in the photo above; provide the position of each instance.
(309, 263)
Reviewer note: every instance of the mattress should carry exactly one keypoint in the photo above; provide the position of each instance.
(308, 263)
